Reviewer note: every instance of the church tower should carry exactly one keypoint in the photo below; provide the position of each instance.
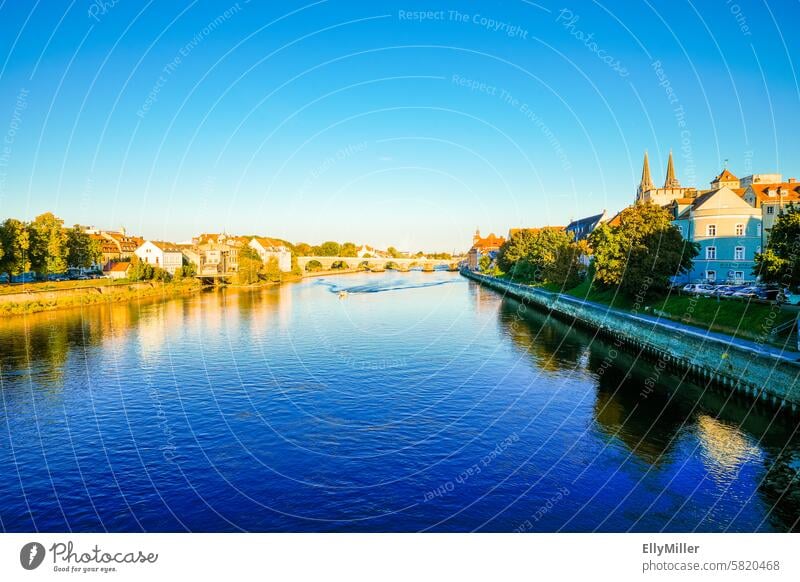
(647, 182)
(671, 181)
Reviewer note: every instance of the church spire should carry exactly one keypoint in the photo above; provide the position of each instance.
(647, 182)
(671, 181)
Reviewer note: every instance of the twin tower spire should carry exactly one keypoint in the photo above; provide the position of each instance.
(647, 182)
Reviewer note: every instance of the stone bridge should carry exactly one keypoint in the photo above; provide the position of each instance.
(327, 263)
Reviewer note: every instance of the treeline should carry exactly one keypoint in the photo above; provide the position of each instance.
(44, 246)
(545, 255)
(348, 249)
(637, 255)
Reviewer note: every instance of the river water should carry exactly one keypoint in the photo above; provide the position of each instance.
(419, 401)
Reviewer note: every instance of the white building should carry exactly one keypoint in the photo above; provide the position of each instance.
(268, 248)
(166, 255)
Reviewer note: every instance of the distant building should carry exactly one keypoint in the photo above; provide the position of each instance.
(119, 270)
(581, 228)
(483, 246)
(771, 198)
(672, 189)
(218, 253)
(268, 248)
(165, 255)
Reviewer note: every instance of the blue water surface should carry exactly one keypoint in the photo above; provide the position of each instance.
(414, 401)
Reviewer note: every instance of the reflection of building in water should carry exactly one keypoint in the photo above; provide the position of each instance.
(486, 300)
(155, 321)
(725, 447)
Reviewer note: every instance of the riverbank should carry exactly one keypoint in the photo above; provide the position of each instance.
(751, 367)
(742, 319)
(51, 297)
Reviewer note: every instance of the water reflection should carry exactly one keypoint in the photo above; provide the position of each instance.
(250, 386)
(652, 412)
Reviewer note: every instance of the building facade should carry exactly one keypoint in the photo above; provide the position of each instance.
(728, 232)
(268, 248)
(483, 246)
(771, 198)
(165, 255)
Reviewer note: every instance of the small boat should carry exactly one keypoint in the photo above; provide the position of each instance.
(342, 294)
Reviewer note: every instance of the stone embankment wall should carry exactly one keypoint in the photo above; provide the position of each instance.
(55, 294)
(741, 366)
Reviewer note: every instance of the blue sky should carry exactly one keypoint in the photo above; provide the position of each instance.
(390, 123)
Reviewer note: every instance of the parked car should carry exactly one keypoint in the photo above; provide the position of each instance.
(747, 292)
(699, 288)
(727, 290)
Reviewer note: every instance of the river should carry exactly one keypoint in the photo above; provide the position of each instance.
(418, 401)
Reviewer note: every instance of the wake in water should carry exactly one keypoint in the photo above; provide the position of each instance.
(381, 286)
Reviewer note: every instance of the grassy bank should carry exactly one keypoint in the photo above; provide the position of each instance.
(42, 286)
(56, 296)
(743, 319)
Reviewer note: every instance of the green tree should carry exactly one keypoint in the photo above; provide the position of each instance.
(15, 242)
(272, 270)
(484, 263)
(250, 266)
(642, 252)
(393, 252)
(780, 261)
(48, 244)
(329, 249)
(82, 250)
(303, 249)
(529, 253)
(140, 270)
(348, 250)
(566, 270)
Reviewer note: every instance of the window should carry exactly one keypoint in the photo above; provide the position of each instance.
(711, 230)
(738, 254)
(711, 276)
(738, 276)
(758, 229)
(711, 253)
(770, 210)
(739, 230)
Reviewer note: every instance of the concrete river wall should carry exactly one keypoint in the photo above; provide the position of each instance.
(760, 371)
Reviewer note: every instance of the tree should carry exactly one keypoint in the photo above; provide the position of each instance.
(393, 252)
(528, 253)
(484, 263)
(329, 249)
(272, 270)
(641, 253)
(15, 242)
(348, 250)
(780, 261)
(82, 250)
(249, 266)
(140, 270)
(303, 249)
(48, 248)
(566, 270)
